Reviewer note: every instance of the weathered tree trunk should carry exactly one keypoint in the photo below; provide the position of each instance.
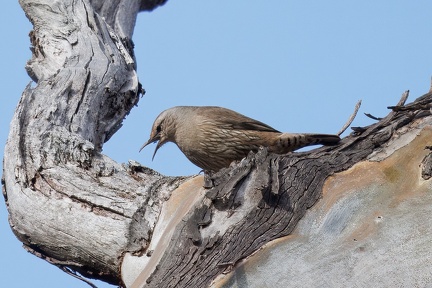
(67, 202)
(129, 225)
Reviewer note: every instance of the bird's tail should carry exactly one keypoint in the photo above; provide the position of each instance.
(323, 139)
(289, 142)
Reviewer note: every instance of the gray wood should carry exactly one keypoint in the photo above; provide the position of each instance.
(68, 203)
(74, 207)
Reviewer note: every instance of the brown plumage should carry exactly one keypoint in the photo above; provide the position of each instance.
(213, 137)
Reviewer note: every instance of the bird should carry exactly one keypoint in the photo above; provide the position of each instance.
(213, 137)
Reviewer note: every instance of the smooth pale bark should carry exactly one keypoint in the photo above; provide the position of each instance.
(76, 208)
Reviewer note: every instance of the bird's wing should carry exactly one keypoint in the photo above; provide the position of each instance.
(234, 120)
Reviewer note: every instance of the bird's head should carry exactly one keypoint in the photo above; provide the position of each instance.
(162, 131)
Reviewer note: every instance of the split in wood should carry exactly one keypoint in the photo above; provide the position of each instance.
(227, 266)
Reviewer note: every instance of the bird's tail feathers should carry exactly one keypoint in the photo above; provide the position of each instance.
(288, 142)
(323, 139)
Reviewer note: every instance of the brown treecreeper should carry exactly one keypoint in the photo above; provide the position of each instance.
(213, 137)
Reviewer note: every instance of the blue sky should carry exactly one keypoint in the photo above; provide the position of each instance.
(299, 66)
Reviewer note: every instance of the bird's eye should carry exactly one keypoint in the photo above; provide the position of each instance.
(158, 128)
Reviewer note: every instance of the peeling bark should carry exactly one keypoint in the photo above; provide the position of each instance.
(76, 208)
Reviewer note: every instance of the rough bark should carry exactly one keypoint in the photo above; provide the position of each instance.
(68, 203)
(371, 227)
(76, 208)
(264, 197)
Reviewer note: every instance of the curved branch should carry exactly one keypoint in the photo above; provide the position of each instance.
(68, 203)
(262, 199)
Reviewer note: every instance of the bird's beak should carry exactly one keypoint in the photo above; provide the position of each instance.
(152, 140)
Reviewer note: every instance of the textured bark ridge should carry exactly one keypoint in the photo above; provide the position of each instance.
(76, 208)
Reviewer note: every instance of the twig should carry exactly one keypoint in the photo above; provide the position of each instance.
(59, 264)
(373, 117)
(351, 119)
(400, 105)
(403, 98)
(73, 274)
(225, 264)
